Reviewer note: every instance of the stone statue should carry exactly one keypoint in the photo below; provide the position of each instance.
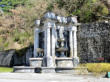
(60, 39)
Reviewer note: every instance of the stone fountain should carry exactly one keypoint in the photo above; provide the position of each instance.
(55, 45)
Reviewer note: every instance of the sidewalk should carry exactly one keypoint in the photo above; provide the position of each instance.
(34, 77)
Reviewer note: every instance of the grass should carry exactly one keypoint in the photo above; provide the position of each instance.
(6, 69)
(97, 67)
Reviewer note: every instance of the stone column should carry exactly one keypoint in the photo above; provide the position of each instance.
(36, 41)
(47, 42)
(75, 44)
(48, 60)
(53, 44)
(75, 57)
(71, 43)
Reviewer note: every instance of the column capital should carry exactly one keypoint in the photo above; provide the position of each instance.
(72, 28)
(49, 24)
(37, 30)
(38, 22)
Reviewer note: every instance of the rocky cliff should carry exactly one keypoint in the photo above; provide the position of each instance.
(94, 42)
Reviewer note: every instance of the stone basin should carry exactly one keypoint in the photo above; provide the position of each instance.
(36, 62)
(40, 50)
(64, 62)
(61, 40)
(61, 49)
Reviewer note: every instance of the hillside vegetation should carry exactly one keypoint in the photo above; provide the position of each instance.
(17, 17)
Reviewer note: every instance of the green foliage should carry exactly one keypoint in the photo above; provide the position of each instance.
(6, 5)
(50, 7)
(86, 10)
(6, 44)
(1, 43)
(70, 5)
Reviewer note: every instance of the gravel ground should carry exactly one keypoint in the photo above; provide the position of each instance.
(34, 77)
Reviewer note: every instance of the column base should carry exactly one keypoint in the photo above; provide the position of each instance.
(48, 61)
(75, 61)
(48, 70)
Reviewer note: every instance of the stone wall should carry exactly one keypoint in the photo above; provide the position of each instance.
(94, 42)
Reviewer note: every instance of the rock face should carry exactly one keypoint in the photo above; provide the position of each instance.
(94, 42)
(22, 60)
(6, 58)
(10, 58)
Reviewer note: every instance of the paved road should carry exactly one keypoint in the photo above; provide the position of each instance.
(33, 77)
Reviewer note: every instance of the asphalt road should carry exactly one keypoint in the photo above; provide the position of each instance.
(34, 77)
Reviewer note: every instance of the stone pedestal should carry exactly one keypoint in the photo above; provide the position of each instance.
(76, 61)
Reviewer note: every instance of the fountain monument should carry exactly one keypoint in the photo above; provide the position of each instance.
(55, 45)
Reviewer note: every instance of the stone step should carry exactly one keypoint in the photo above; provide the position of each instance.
(23, 69)
(48, 70)
(72, 70)
(27, 69)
